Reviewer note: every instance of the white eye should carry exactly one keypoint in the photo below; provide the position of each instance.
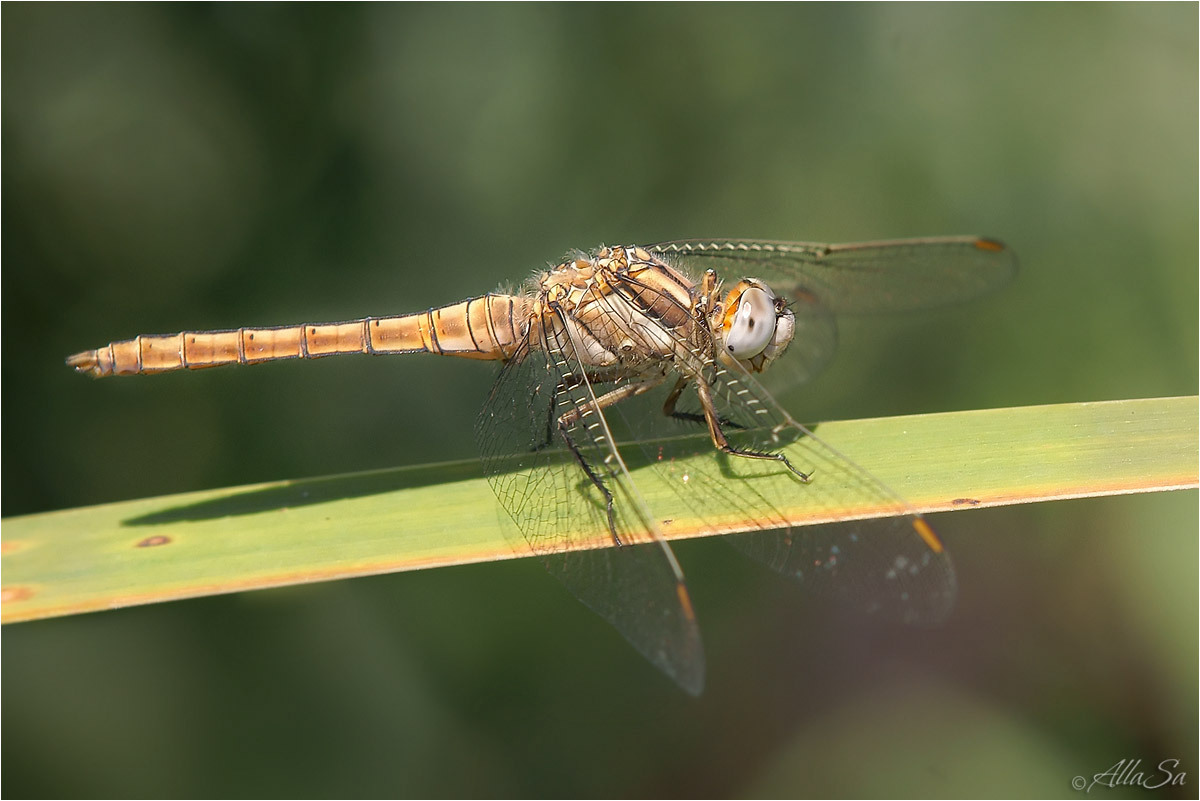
(753, 324)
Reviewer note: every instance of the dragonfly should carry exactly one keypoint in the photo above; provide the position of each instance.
(632, 344)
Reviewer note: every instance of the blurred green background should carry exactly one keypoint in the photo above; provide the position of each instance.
(211, 166)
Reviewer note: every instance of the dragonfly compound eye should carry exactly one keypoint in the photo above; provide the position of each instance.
(751, 327)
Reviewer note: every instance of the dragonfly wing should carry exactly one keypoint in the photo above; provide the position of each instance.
(888, 562)
(550, 485)
(820, 281)
(882, 566)
(858, 278)
(892, 565)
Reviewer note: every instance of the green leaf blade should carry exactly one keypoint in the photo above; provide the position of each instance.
(282, 533)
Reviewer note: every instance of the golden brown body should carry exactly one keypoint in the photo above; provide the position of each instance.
(479, 328)
(579, 294)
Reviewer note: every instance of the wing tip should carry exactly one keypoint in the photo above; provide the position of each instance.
(990, 245)
(927, 534)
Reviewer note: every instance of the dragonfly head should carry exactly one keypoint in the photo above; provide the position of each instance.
(752, 325)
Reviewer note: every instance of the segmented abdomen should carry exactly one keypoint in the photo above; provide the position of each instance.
(486, 327)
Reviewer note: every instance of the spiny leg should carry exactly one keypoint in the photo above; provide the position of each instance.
(691, 417)
(596, 480)
(559, 390)
(608, 399)
(603, 402)
(577, 414)
(722, 444)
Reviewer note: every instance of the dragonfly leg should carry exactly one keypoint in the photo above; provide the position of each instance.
(603, 402)
(566, 421)
(595, 478)
(608, 399)
(549, 434)
(691, 417)
(722, 444)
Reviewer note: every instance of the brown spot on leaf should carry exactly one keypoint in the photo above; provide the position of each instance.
(10, 594)
(151, 542)
(965, 501)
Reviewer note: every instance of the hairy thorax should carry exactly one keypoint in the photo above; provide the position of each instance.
(622, 309)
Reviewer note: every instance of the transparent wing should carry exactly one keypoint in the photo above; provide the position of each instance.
(866, 277)
(823, 281)
(557, 482)
(889, 563)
